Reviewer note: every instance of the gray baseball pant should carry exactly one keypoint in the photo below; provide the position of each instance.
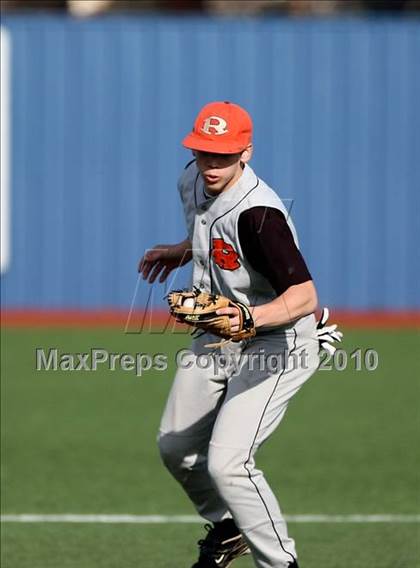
(219, 411)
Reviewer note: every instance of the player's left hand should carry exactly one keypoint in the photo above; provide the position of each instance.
(215, 314)
(233, 314)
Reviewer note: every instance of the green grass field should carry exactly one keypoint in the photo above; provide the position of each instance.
(84, 442)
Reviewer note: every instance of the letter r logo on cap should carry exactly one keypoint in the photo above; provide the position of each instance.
(215, 125)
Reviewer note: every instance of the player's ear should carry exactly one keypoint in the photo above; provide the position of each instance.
(247, 154)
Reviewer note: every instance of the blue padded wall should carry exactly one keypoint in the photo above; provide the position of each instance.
(99, 109)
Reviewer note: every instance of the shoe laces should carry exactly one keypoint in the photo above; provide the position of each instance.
(213, 544)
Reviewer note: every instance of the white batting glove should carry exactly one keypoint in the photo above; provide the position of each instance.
(327, 334)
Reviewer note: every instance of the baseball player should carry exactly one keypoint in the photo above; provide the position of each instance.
(243, 245)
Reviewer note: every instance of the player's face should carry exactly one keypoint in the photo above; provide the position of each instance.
(220, 171)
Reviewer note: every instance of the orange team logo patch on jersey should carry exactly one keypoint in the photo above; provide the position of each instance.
(224, 255)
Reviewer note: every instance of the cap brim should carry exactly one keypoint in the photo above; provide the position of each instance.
(194, 142)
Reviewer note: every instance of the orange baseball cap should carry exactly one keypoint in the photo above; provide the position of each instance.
(220, 128)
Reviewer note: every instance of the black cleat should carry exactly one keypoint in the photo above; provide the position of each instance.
(223, 543)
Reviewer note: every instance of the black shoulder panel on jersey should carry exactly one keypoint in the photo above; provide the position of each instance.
(268, 245)
(189, 164)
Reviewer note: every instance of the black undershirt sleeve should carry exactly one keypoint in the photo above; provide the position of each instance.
(268, 245)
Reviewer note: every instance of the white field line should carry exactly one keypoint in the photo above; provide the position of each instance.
(188, 519)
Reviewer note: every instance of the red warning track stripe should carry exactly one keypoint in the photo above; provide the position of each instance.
(159, 318)
(79, 318)
(377, 319)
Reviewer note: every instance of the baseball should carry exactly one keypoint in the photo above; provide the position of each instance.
(188, 303)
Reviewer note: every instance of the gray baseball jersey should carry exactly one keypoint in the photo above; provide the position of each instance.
(219, 264)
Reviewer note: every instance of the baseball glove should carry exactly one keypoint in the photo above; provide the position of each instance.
(198, 309)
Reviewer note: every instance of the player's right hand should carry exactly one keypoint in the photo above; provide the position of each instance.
(162, 259)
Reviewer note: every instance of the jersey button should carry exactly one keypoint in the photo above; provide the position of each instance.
(202, 263)
(203, 222)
